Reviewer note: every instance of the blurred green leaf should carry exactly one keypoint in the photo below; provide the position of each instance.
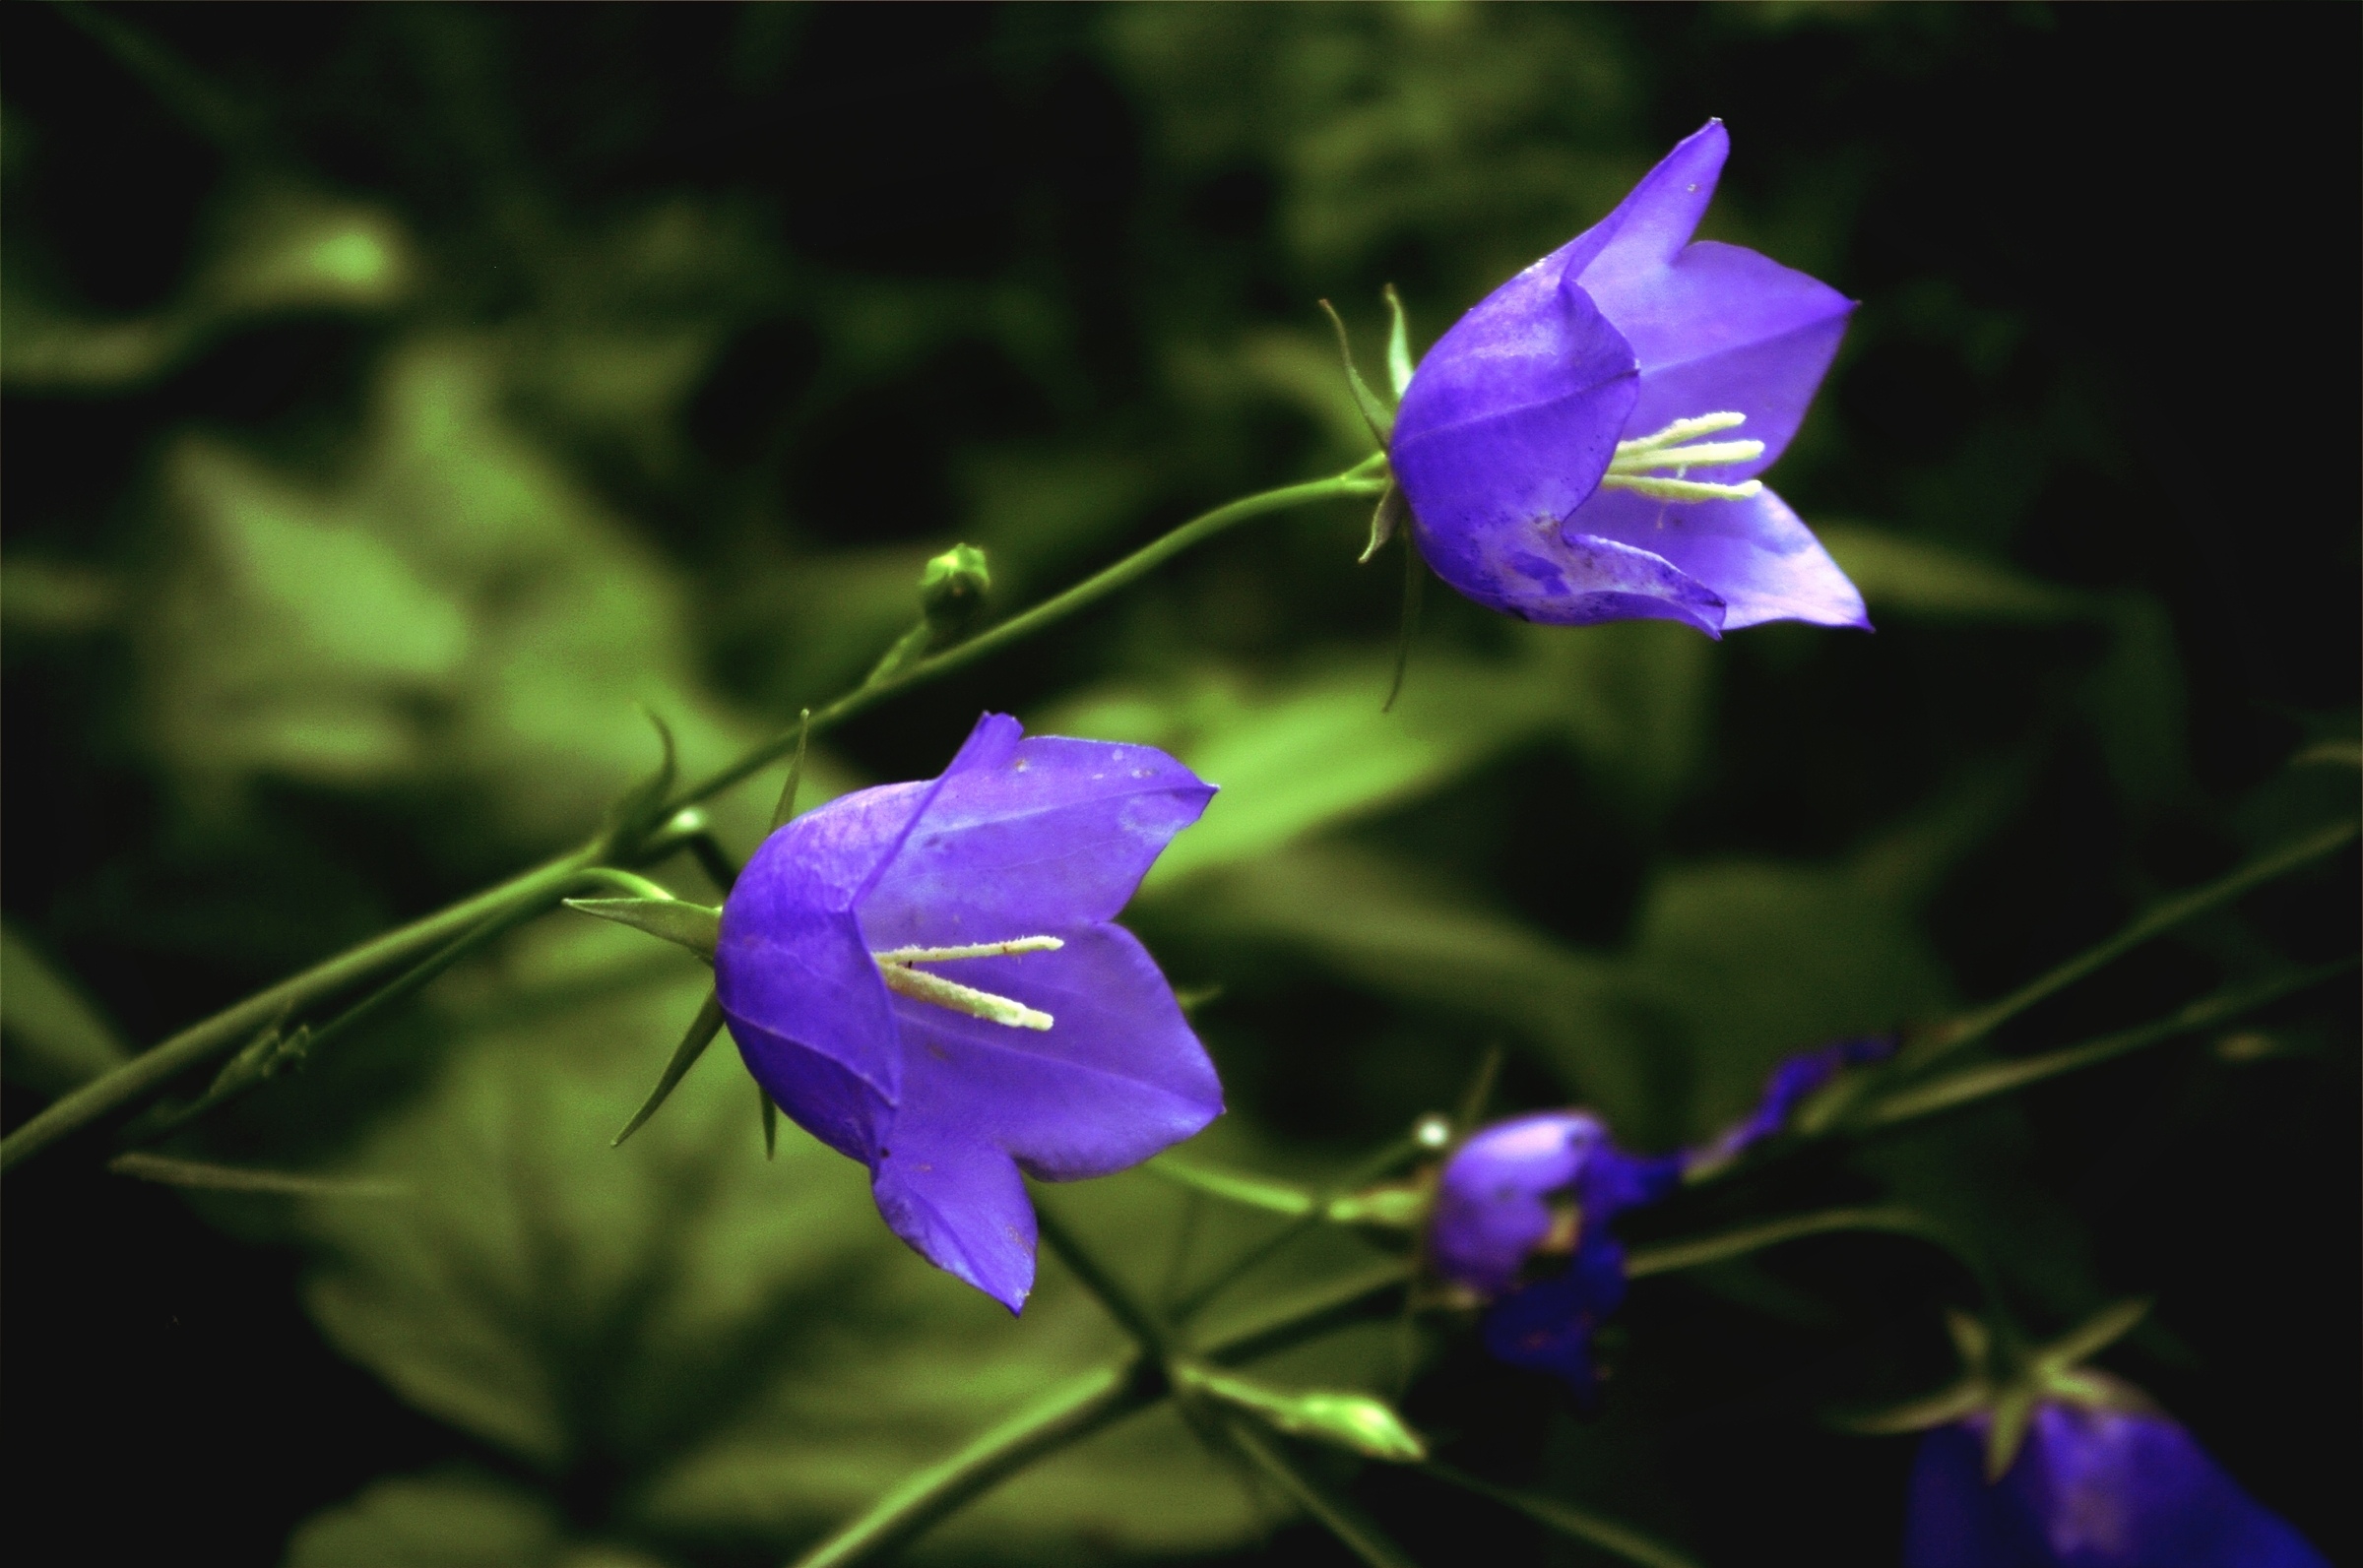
(1314, 751)
(1759, 959)
(453, 608)
(1917, 580)
(55, 1038)
(456, 1520)
(1381, 925)
(743, 1339)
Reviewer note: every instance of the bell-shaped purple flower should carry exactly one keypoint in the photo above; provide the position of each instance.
(1514, 1200)
(2108, 1481)
(1583, 445)
(925, 978)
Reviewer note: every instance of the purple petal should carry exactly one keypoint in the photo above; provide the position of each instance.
(2091, 1488)
(1509, 421)
(959, 1203)
(1789, 1086)
(831, 1104)
(1657, 216)
(792, 963)
(1549, 1326)
(1713, 326)
(1754, 557)
(1537, 574)
(1030, 837)
(1118, 1077)
(1491, 1208)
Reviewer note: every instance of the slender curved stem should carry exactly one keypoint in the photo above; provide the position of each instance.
(1067, 1413)
(1966, 1088)
(2155, 922)
(209, 1038)
(1050, 611)
(1665, 1257)
(1073, 1411)
(201, 1042)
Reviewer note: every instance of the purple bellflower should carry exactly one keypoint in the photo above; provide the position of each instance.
(925, 978)
(1521, 1193)
(1558, 447)
(2103, 1479)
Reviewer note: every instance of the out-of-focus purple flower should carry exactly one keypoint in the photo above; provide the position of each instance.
(1584, 445)
(1522, 1194)
(2103, 1481)
(925, 977)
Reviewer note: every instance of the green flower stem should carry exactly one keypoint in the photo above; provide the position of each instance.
(2156, 921)
(1355, 481)
(541, 887)
(1074, 1411)
(1138, 1320)
(1956, 1090)
(1665, 1257)
(201, 1042)
(1317, 1497)
(1067, 1413)
(1306, 1218)
(1582, 1524)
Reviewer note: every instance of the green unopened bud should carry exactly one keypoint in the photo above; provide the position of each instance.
(952, 589)
(1369, 1426)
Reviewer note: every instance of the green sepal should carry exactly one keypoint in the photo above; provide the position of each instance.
(1386, 519)
(695, 927)
(1376, 415)
(2013, 1414)
(1946, 1404)
(1361, 1423)
(771, 1123)
(1398, 346)
(702, 1029)
(2091, 1337)
(635, 813)
(1414, 589)
(796, 772)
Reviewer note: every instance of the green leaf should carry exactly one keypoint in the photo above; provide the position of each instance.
(695, 927)
(743, 1341)
(1366, 1424)
(55, 1038)
(1403, 936)
(452, 1519)
(1311, 752)
(1916, 580)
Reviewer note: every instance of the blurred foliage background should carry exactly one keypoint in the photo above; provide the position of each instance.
(394, 395)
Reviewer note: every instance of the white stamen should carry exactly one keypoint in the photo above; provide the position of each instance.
(1658, 489)
(941, 955)
(1683, 430)
(894, 967)
(1632, 467)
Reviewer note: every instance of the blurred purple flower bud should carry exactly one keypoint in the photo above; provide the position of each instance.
(2108, 1482)
(925, 977)
(1584, 445)
(1525, 1192)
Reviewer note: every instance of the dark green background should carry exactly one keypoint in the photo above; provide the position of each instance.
(396, 395)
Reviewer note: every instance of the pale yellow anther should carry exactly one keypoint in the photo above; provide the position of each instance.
(1639, 464)
(894, 967)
